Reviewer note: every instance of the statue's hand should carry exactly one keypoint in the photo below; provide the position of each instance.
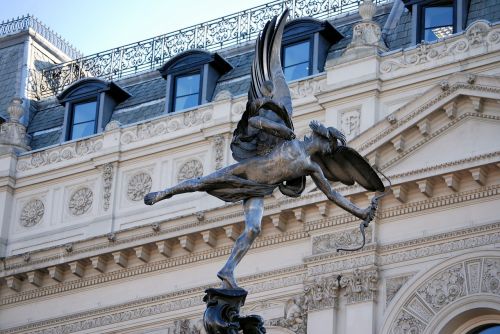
(290, 135)
(369, 212)
(154, 197)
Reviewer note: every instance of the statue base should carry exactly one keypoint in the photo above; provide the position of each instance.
(222, 315)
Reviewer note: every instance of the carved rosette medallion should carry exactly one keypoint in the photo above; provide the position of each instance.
(138, 186)
(189, 170)
(80, 201)
(32, 213)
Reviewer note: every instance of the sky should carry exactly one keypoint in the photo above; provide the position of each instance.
(98, 25)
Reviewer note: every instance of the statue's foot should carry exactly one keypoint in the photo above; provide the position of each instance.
(228, 280)
(155, 197)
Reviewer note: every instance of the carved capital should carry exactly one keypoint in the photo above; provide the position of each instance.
(321, 293)
(360, 286)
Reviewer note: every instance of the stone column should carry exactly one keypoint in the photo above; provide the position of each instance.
(321, 296)
(360, 292)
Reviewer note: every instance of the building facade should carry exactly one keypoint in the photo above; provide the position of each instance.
(83, 139)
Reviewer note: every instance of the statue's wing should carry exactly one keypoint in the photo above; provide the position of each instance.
(266, 67)
(348, 166)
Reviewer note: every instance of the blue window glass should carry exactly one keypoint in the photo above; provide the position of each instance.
(491, 329)
(296, 60)
(83, 120)
(187, 91)
(438, 22)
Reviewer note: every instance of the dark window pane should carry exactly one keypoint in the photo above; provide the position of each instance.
(187, 85)
(185, 102)
(82, 130)
(296, 71)
(84, 112)
(297, 53)
(438, 16)
(491, 330)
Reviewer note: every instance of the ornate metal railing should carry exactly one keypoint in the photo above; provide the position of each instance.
(211, 35)
(25, 22)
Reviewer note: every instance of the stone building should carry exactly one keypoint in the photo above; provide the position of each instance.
(83, 139)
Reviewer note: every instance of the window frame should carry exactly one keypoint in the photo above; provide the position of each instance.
(295, 41)
(173, 91)
(421, 17)
(72, 116)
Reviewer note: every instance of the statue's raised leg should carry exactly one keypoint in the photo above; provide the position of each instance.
(253, 209)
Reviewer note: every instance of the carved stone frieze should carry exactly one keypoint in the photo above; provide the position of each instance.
(350, 121)
(295, 317)
(444, 288)
(392, 286)
(32, 213)
(80, 201)
(113, 125)
(107, 176)
(189, 170)
(478, 35)
(65, 152)
(491, 276)
(344, 239)
(138, 186)
(219, 147)
(321, 293)
(307, 88)
(168, 124)
(188, 326)
(360, 286)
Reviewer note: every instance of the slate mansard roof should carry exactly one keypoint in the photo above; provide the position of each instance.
(148, 91)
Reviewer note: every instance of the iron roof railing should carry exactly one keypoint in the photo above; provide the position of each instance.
(24, 23)
(211, 35)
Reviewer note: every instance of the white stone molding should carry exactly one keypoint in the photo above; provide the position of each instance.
(138, 186)
(112, 125)
(121, 258)
(399, 143)
(209, 237)
(56, 273)
(279, 221)
(321, 293)
(452, 181)
(190, 169)
(165, 125)
(479, 175)
(374, 159)
(451, 109)
(480, 37)
(187, 242)
(99, 262)
(77, 268)
(299, 214)
(307, 88)
(35, 277)
(13, 282)
(80, 201)
(32, 213)
(426, 187)
(424, 126)
(432, 294)
(360, 286)
(107, 177)
(393, 285)
(143, 252)
(73, 150)
(295, 317)
(477, 103)
(324, 208)
(232, 231)
(164, 248)
(343, 239)
(400, 192)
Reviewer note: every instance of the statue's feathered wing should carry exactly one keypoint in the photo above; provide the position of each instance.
(348, 166)
(266, 68)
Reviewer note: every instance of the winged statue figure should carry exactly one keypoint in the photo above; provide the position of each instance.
(269, 156)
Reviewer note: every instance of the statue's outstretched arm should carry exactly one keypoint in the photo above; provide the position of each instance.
(271, 127)
(334, 196)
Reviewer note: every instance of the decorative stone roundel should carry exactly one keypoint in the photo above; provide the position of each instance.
(189, 170)
(32, 213)
(138, 186)
(80, 201)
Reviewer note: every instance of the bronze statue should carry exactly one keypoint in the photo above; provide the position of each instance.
(269, 156)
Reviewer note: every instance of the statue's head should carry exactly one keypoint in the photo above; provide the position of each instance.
(329, 138)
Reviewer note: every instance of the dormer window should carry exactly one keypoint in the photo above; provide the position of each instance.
(297, 60)
(305, 46)
(83, 120)
(437, 22)
(191, 78)
(187, 91)
(89, 104)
